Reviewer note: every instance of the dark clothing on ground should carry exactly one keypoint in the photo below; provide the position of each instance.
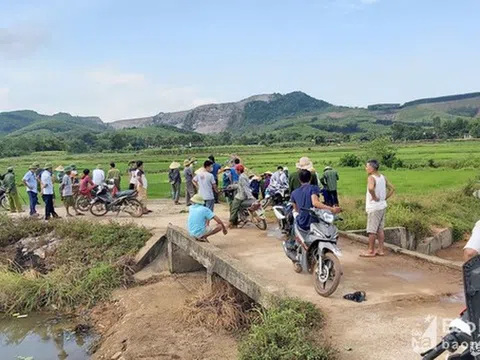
(302, 198)
(294, 182)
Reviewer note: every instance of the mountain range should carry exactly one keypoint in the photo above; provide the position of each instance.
(256, 114)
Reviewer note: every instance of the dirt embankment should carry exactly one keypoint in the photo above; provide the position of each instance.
(146, 323)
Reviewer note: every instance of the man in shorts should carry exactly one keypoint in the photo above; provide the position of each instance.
(66, 188)
(378, 191)
(199, 218)
(472, 248)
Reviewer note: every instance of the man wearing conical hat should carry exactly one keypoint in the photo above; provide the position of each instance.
(175, 181)
(188, 173)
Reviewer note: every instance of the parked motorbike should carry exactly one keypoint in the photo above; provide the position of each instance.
(275, 197)
(460, 333)
(125, 201)
(3, 198)
(83, 202)
(315, 251)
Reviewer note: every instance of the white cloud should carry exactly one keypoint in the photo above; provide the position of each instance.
(105, 91)
(21, 40)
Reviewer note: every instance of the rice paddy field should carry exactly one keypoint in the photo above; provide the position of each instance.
(457, 163)
(433, 189)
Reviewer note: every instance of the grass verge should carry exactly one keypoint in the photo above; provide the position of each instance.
(285, 331)
(456, 209)
(90, 261)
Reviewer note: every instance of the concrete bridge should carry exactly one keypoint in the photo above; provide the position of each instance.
(402, 291)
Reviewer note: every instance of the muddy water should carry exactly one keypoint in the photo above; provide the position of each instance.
(42, 338)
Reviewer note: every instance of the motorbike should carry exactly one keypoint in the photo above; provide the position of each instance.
(275, 197)
(125, 201)
(254, 214)
(250, 212)
(3, 198)
(463, 332)
(315, 251)
(83, 202)
(459, 334)
(284, 214)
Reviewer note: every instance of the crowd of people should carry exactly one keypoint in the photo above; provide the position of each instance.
(39, 184)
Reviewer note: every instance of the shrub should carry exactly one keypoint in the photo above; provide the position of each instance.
(284, 333)
(350, 160)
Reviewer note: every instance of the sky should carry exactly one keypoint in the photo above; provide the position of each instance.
(121, 59)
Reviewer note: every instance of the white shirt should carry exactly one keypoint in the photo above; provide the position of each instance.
(47, 183)
(98, 176)
(140, 175)
(380, 193)
(474, 242)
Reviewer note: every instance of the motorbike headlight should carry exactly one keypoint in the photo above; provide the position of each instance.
(328, 217)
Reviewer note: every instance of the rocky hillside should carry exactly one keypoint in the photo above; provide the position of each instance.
(215, 118)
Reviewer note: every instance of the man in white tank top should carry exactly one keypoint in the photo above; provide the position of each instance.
(378, 191)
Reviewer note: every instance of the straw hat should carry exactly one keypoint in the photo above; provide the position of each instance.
(327, 168)
(174, 165)
(197, 199)
(305, 164)
(48, 166)
(267, 173)
(186, 162)
(59, 168)
(68, 169)
(33, 167)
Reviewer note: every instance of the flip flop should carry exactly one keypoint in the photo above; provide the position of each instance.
(367, 255)
(380, 254)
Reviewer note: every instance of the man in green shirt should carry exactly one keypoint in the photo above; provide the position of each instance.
(329, 181)
(114, 174)
(294, 180)
(11, 187)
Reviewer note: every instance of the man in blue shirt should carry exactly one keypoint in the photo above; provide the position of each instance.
(199, 218)
(215, 169)
(31, 183)
(307, 197)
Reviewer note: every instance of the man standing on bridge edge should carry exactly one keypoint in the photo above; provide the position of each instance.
(379, 190)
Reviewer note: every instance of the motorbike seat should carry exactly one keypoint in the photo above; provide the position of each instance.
(124, 193)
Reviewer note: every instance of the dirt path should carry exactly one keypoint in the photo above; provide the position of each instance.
(402, 292)
(152, 329)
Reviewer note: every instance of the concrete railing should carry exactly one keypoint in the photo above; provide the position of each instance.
(185, 254)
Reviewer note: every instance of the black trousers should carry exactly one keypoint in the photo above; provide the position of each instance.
(49, 209)
(332, 198)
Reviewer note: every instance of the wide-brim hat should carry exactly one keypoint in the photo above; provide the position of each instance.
(36, 164)
(68, 168)
(48, 166)
(305, 164)
(186, 162)
(327, 168)
(99, 166)
(197, 199)
(59, 168)
(33, 167)
(10, 169)
(267, 173)
(174, 165)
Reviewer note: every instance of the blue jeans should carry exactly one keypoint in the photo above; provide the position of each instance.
(33, 200)
(210, 204)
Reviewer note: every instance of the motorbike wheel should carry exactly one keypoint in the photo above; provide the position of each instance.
(98, 208)
(4, 203)
(134, 208)
(82, 203)
(326, 281)
(259, 222)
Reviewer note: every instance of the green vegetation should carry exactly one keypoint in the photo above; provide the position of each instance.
(286, 331)
(91, 261)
